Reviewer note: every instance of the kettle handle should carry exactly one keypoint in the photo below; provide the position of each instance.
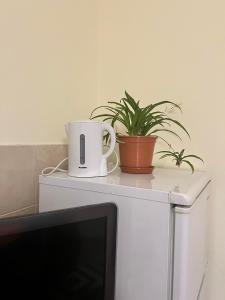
(109, 128)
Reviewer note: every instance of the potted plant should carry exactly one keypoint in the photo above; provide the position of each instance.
(142, 126)
(180, 157)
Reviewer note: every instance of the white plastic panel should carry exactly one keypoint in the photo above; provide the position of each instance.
(190, 248)
(164, 185)
(143, 239)
(144, 235)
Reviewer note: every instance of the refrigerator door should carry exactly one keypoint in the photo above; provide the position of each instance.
(143, 238)
(190, 248)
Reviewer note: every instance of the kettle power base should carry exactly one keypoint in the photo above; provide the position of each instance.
(135, 170)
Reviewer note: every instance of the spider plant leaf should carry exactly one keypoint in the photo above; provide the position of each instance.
(131, 101)
(112, 117)
(131, 104)
(167, 130)
(166, 155)
(153, 122)
(116, 103)
(157, 114)
(179, 124)
(111, 110)
(125, 106)
(190, 164)
(120, 116)
(163, 140)
(166, 102)
(180, 155)
(97, 108)
(164, 151)
(137, 122)
(176, 154)
(106, 138)
(107, 115)
(150, 124)
(128, 112)
(106, 119)
(171, 154)
(113, 122)
(102, 115)
(123, 115)
(194, 156)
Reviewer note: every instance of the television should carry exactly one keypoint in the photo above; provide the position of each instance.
(59, 255)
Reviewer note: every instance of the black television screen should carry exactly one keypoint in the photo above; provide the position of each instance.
(60, 255)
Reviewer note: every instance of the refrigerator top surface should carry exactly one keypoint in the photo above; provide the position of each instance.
(175, 186)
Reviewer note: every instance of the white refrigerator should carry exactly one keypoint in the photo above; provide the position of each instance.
(162, 227)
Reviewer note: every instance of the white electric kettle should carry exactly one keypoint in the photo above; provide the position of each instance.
(85, 148)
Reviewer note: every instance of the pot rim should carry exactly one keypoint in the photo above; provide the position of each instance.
(138, 136)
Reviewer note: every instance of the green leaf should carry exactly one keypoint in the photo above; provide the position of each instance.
(131, 101)
(195, 156)
(163, 140)
(165, 155)
(180, 155)
(179, 124)
(102, 115)
(166, 102)
(167, 130)
(164, 151)
(97, 108)
(116, 103)
(136, 120)
(190, 164)
(170, 153)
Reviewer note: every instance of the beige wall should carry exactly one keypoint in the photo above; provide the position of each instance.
(48, 63)
(175, 50)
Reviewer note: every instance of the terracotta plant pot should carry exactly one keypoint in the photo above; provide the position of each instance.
(136, 154)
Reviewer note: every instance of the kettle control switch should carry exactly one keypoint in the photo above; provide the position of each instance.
(82, 149)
